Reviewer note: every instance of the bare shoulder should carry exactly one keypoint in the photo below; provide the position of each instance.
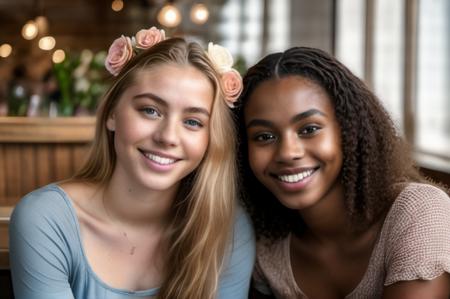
(437, 288)
(85, 196)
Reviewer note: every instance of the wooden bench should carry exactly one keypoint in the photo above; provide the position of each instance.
(33, 153)
(5, 213)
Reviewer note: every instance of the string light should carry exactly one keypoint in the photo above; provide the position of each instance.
(47, 43)
(117, 5)
(35, 26)
(5, 50)
(169, 16)
(42, 24)
(199, 14)
(29, 30)
(58, 56)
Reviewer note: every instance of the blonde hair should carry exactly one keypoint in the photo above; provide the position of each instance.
(203, 210)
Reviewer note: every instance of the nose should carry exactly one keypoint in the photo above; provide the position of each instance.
(167, 133)
(290, 148)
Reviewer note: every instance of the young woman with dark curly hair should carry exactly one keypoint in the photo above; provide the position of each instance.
(339, 209)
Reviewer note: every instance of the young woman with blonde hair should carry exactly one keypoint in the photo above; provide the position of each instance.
(153, 212)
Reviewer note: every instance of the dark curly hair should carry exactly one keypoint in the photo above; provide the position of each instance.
(375, 158)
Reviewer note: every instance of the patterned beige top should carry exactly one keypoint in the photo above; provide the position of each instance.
(414, 243)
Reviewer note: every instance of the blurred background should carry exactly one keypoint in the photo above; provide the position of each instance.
(52, 51)
(52, 54)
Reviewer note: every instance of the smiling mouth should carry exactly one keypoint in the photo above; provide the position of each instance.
(296, 177)
(158, 159)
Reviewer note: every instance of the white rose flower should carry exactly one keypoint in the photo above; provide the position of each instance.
(221, 57)
(86, 56)
(82, 85)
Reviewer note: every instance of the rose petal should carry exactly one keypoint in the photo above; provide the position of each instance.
(147, 38)
(119, 53)
(220, 56)
(232, 86)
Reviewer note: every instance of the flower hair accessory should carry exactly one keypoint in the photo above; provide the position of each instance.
(123, 49)
(231, 79)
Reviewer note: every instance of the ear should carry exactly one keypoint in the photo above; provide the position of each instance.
(111, 122)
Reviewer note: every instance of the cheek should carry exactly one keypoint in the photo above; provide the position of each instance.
(257, 158)
(197, 145)
(330, 149)
(127, 132)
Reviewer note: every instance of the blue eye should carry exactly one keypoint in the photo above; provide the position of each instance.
(193, 123)
(149, 111)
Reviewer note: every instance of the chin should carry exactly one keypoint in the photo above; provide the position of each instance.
(296, 203)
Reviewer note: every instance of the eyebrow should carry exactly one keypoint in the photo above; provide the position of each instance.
(306, 114)
(296, 118)
(152, 96)
(162, 102)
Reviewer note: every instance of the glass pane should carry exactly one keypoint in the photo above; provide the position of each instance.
(279, 18)
(388, 57)
(433, 82)
(350, 35)
(241, 29)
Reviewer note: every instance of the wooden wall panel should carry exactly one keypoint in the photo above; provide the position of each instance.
(12, 171)
(62, 162)
(2, 173)
(37, 151)
(27, 169)
(80, 154)
(33, 153)
(4, 238)
(43, 163)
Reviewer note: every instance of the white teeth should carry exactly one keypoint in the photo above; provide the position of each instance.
(294, 178)
(160, 160)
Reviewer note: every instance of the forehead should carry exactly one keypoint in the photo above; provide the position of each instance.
(177, 85)
(167, 79)
(291, 94)
(168, 73)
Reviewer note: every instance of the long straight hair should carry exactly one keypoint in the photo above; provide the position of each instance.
(203, 210)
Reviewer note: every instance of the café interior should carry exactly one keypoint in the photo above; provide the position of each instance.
(52, 72)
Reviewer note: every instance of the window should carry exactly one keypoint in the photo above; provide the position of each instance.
(388, 56)
(433, 78)
(350, 35)
(429, 78)
(243, 31)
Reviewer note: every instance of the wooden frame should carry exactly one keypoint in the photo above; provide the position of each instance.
(46, 130)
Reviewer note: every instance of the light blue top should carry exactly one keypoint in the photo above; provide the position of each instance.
(48, 260)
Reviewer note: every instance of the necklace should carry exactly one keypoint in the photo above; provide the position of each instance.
(123, 233)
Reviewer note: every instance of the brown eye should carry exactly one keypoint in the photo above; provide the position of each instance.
(309, 130)
(264, 137)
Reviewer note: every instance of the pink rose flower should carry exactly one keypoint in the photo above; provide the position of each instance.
(119, 54)
(232, 86)
(146, 38)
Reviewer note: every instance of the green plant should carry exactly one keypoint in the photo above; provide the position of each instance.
(81, 80)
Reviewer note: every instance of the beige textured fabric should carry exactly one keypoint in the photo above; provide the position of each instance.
(414, 243)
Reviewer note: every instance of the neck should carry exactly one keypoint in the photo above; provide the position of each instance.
(134, 206)
(328, 221)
